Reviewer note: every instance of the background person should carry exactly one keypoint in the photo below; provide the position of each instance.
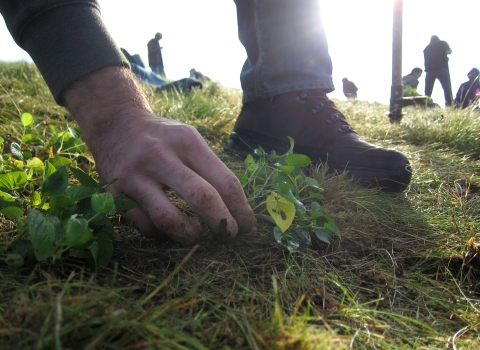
(349, 89)
(412, 78)
(468, 92)
(199, 76)
(436, 67)
(155, 60)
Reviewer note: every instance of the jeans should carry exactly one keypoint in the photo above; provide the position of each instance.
(286, 47)
(442, 74)
(158, 70)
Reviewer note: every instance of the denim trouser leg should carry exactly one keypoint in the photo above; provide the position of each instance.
(429, 82)
(158, 70)
(442, 74)
(286, 47)
(444, 78)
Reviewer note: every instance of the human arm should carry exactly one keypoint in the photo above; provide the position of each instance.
(86, 72)
(448, 50)
(149, 155)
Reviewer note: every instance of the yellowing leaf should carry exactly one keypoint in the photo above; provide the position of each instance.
(281, 210)
(35, 164)
(27, 119)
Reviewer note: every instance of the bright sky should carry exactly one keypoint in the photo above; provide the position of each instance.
(203, 35)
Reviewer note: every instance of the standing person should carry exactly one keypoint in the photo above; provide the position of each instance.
(285, 81)
(349, 89)
(412, 78)
(468, 92)
(155, 60)
(436, 67)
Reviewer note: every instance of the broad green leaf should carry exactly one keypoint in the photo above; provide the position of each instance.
(45, 232)
(12, 212)
(332, 227)
(77, 232)
(292, 242)
(123, 205)
(297, 160)
(16, 151)
(280, 178)
(27, 119)
(316, 196)
(102, 202)
(101, 224)
(35, 164)
(311, 182)
(323, 234)
(35, 199)
(18, 164)
(27, 155)
(262, 171)
(14, 260)
(278, 234)
(31, 138)
(58, 161)
(84, 208)
(73, 145)
(84, 179)
(250, 163)
(7, 199)
(281, 210)
(77, 193)
(2, 140)
(13, 180)
(49, 170)
(60, 205)
(105, 249)
(287, 169)
(320, 218)
(286, 191)
(303, 238)
(259, 151)
(243, 179)
(57, 183)
(315, 207)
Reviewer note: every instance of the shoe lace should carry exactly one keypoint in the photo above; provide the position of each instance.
(325, 102)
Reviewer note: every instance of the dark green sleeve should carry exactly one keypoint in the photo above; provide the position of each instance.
(65, 38)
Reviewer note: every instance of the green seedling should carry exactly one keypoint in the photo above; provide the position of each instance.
(60, 210)
(290, 197)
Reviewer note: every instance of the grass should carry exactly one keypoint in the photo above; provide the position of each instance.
(405, 274)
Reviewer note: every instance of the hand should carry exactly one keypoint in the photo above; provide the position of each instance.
(149, 155)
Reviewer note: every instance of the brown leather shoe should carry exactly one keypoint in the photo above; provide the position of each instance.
(321, 132)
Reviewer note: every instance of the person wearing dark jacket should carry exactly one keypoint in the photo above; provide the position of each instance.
(436, 67)
(155, 60)
(284, 82)
(412, 78)
(349, 89)
(468, 92)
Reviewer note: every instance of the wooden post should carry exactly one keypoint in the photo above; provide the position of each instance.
(396, 95)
